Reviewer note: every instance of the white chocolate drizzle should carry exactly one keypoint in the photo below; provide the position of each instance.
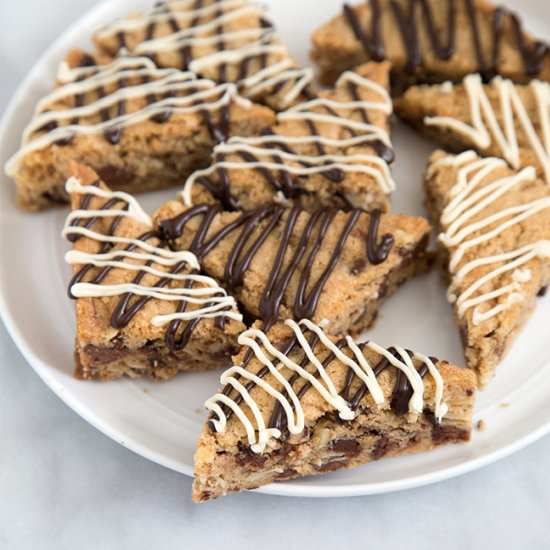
(248, 412)
(181, 9)
(486, 130)
(211, 300)
(142, 80)
(477, 189)
(270, 158)
(224, 32)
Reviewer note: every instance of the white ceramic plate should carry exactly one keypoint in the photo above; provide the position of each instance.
(162, 421)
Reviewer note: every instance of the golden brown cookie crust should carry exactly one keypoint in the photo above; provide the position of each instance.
(353, 286)
(485, 344)
(138, 348)
(337, 48)
(147, 155)
(224, 461)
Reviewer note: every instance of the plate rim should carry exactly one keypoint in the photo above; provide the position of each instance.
(293, 489)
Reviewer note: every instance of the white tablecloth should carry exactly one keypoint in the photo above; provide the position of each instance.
(64, 485)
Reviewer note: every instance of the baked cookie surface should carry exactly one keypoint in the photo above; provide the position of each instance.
(141, 309)
(430, 41)
(140, 127)
(299, 402)
(332, 150)
(495, 239)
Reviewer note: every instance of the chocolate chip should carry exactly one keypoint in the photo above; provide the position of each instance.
(247, 457)
(86, 60)
(99, 354)
(358, 266)
(115, 176)
(49, 127)
(113, 135)
(265, 23)
(382, 447)
(542, 291)
(349, 447)
(333, 465)
(225, 353)
(63, 142)
(463, 335)
(443, 434)
(55, 198)
(161, 118)
(446, 434)
(334, 174)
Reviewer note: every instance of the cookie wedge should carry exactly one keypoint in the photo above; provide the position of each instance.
(430, 41)
(222, 40)
(284, 263)
(500, 119)
(495, 241)
(333, 150)
(140, 127)
(141, 309)
(298, 402)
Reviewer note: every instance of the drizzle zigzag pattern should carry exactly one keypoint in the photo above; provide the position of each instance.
(307, 357)
(409, 18)
(274, 158)
(485, 129)
(88, 109)
(206, 36)
(176, 274)
(476, 189)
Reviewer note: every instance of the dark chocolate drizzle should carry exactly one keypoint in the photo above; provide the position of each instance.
(408, 23)
(378, 252)
(250, 230)
(246, 247)
(248, 66)
(281, 180)
(218, 129)
(399, 401)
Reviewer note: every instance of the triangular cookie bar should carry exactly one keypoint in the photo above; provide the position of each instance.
(289, 263)
(140, 127)
(495, 232)
(223, 40)
(430, 41)
(332, 150)
(298, 402)
(141, 309)
(500, 119)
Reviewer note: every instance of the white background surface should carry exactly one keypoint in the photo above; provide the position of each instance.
(64, 485)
